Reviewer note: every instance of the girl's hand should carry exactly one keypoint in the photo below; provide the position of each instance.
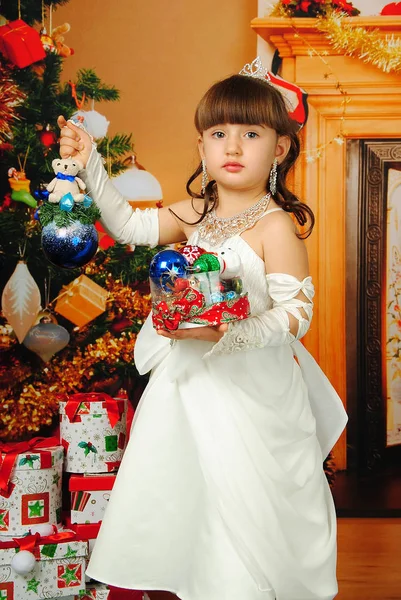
(74, 141)
(207, 334)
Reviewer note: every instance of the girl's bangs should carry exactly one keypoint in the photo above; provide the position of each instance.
(241, 100)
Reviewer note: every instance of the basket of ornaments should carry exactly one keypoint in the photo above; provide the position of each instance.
(192, 287)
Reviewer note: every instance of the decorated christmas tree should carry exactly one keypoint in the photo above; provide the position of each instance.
(61, 329)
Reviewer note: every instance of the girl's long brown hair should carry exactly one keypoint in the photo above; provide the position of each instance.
(245, 100)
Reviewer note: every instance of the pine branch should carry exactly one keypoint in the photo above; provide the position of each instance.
(116, 146)
(38, 166)
(130, 267)
(89, 84)
(42, 92)
(51, 212)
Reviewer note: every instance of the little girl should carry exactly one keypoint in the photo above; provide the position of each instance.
(221, 494)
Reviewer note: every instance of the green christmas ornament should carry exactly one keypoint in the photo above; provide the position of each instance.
(24, 196)
(236, 285)
(206, 262)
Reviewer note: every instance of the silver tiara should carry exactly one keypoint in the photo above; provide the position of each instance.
(255, 69)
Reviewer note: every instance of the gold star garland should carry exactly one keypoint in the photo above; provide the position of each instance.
(313, 154)
(367, 45)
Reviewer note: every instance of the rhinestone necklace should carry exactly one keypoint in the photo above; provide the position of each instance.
(215, 230)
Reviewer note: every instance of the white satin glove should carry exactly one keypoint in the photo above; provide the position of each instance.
(271, 328)
(127, 226)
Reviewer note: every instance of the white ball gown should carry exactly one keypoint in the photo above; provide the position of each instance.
(221, 494)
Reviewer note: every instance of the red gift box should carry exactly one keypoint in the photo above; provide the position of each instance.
(21, 44)
(85, 531)
(88, 483)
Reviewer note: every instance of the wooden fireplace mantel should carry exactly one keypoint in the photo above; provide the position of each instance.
(374, 111)
(284, 33)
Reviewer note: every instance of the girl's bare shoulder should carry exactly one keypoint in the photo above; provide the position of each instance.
(277, 224)
(188, 210)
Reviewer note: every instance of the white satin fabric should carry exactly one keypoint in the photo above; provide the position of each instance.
(125, 225)
(221, 493)
(272, 327)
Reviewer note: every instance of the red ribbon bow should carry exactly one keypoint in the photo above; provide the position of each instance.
(114, 408)
(31, 542)
(191, 303)
(12, 450)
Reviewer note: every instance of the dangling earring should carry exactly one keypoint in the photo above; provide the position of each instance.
(205, 177)
(273, 177)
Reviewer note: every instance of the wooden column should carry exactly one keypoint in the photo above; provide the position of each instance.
(374, 111)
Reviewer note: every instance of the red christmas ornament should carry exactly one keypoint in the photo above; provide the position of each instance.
(191, 253)
(305, 5)
(180, 284)
(118, 325)
(6, 202)
(5, 147)
(394, 8)
(105, 241)
(48, 137)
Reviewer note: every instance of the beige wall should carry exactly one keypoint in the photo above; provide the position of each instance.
(162, 56)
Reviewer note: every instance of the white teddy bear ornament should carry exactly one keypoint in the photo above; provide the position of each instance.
(66, 180)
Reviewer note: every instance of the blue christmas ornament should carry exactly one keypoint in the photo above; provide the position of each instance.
(230, 295)
(87, 201)
(67, 202)
(166, 267)
(36, 215)
(41, 194)
(216, 297)
(69, 247)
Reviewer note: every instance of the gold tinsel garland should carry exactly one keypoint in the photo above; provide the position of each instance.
(37, 402)
(368, 45)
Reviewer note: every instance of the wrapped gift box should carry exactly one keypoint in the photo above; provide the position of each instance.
(30, 485)
(59, 569)
(85, 531)
(21, 44)
(89, 532)
(89, 497)
(93, 431)
(81, 301)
